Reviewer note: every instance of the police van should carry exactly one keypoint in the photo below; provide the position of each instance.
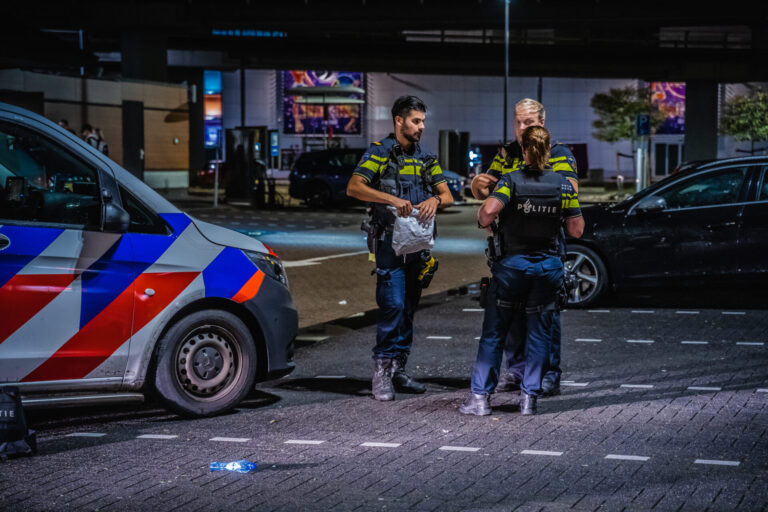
(108, 291)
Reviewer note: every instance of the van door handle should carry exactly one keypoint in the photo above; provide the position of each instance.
(5, 242)
(719, 226)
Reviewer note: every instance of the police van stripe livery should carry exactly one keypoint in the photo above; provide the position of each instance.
(72, 290)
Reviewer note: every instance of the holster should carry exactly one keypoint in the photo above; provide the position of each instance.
(373, 232)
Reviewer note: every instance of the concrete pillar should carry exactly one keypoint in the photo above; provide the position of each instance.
(700, 120)
(144, 56)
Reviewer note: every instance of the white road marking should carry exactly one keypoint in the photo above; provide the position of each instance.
(574, 384)
(643, 312)
(694, 342)
(705, 388)
(156, 436)
(330, 376)
(687, 312)
(316, 261)
(718, 462)
(382, 445)
(639, 341)
(312, 337)
(85, 434)
(762, 390)
(231, 439)
(439, 337)
(734, 313)
(541, 452)
(589, 340)
(626, 457)
(473, 310)
(598, 311)
(458, 449)
(477, 337)
(751, 343)
(639, 386)
(303, 441)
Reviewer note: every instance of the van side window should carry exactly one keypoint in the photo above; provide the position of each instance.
(41, 181)
(143, 220)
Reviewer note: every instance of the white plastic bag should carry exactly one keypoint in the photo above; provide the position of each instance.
(410, 235)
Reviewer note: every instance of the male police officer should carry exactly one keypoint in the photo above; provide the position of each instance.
(397, 172)
(528, 112)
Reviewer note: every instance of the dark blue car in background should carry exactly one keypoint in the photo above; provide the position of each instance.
(320, 178)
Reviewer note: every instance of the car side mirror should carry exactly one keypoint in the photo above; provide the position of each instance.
(115, 218)
(651, 205)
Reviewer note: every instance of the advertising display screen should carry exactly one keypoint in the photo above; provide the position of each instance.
(323, 102)
(212, 108)
(669, 97)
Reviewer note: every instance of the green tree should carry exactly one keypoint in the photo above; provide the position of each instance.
(745, 117)
(616, 111)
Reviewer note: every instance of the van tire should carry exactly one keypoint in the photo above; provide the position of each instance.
(192, 358)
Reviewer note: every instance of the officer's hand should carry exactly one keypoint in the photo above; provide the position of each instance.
(403, 207)
(486, 180)
(427, 209)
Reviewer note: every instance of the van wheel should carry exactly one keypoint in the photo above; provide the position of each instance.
(319, 195)
(591, 275)
(206, 364)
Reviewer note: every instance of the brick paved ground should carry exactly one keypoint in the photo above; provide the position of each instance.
(705, 402)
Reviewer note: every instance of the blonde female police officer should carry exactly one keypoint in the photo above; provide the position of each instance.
(531, 206)
(398, 172)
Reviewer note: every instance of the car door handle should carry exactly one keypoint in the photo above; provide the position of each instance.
(719, 226)
(5, 242)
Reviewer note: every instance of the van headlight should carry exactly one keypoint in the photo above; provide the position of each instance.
(270, 265)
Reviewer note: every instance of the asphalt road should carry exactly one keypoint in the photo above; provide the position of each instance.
(661, 409)
(664, 407)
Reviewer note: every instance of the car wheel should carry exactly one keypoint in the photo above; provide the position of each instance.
(319, 195)
(591, 275)
(206, 364)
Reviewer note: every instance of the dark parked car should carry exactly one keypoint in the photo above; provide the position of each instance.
(705, 225)
(320, 177)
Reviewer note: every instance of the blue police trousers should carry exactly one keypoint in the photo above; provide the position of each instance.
(514, 352)
(397, 294)
(520, 298)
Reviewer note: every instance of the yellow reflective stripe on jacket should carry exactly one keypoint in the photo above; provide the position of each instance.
(378, 158)
(562, 166)
(436, 170)
(558, 159)
(503, 190)
(371, 166)
(411, 170)
(570, 201)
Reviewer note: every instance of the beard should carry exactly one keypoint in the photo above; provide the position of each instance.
(412, 137)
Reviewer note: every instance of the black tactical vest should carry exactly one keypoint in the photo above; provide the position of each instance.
(531, 221)
(390, 182)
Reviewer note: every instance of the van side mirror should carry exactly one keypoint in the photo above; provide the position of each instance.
(651, 205)
(115, 218)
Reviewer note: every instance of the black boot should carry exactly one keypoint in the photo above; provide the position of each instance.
(527, 404)
(381, 385)
(508, 381)
(479, 405)
(402, 382)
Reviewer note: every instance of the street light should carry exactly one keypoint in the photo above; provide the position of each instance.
(506, 65)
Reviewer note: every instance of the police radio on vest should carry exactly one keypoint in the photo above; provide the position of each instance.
(528, 207)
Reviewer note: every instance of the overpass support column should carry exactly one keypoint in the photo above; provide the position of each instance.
(700, 119)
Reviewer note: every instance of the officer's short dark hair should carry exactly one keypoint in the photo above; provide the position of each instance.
(404, 104)
(87, 128)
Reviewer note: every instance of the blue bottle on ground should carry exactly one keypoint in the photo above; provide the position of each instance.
(240, 466)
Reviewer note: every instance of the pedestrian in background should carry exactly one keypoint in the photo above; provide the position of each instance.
(397, 172)
(531, 205)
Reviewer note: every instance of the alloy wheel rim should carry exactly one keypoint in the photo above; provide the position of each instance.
(587, 275)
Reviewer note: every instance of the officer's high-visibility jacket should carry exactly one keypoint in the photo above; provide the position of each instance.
(411, 176)
(560, 159)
